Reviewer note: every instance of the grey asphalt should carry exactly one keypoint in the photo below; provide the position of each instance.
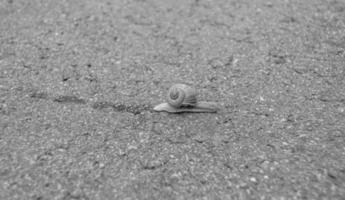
(79, 79)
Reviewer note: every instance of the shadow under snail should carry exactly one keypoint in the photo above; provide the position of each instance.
(183, 98)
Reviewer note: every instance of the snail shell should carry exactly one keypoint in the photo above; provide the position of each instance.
(181, 95)
(183, 98)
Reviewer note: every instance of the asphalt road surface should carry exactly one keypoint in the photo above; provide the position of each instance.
(79, 79)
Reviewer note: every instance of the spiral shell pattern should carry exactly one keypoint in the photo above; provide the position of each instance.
(182, 95)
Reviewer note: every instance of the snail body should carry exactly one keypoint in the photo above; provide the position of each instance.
(183, 98)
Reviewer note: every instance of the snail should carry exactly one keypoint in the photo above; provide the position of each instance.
(183, 98)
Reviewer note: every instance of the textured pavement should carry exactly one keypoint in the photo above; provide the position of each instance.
(78, 80)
